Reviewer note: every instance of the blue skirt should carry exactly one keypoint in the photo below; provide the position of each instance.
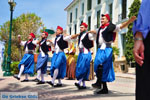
(28, 62)
(42, 63)
(58, 62)
(104, 57)
(83, 66)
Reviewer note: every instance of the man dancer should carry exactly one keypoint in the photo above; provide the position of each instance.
(26, 65)
(41, 66)
(85, 42)
(103, 64)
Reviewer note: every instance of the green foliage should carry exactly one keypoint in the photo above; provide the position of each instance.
(134, 9)
(14, 67)
(22, 25)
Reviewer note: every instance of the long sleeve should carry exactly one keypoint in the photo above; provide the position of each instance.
(142, 24)
(23, 43)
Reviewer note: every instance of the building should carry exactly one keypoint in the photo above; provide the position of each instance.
(90, 11)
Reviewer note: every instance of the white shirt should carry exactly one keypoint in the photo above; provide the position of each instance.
(41, 51)
(56, 48)
(90, 36)
(101, 39)
(24, 42)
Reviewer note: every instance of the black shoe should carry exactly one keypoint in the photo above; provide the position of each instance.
(82, 87)
(96, 85)
(77, 85)
(16, 77)
(58, 85)
(25, 80)
(50, 83)
(36, 80)
(40, 82)
(103, 91)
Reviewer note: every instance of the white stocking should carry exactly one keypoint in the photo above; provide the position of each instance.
(21, 71)
(26, 76)
(55, 75)
(38, 74)
(42, 77)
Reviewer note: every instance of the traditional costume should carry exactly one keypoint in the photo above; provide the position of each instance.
(71, 63)
(85, 42)
(103, 64)
(26, 65)
(41, 66)
(58, 62)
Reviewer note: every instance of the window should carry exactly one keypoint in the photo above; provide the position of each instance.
(89, 4)
(124, 10)
(123, 38)
(71, 17)
(98, 18)
(75, 28)
(98, 1)
(110, 10)
(89, 23)
(82, 8)
(81, 21)
(70, 30)
(76, 13)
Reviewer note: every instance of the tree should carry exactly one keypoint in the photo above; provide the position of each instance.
(22, 25)
(134, 9)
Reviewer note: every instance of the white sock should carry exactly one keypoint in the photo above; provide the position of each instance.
(26, 76)
(59, 81)
(80, 81)
(55, 75)
(83, 83)
(38, 74)
(21, 71)
(42, 77)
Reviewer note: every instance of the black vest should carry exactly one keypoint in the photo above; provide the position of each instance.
(87, 43)
(44, 46)
(62, 44)
(30, 46)
(107, 34)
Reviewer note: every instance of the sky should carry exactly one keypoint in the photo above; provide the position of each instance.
(51, 11)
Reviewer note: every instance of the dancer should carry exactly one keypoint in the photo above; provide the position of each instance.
(26, 65)
(103, 64)
(58, 64)
(85, 42)
(41, 66)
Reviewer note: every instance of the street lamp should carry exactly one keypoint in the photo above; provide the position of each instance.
(12, 6)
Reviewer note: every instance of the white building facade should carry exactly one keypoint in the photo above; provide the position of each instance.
(90, 11)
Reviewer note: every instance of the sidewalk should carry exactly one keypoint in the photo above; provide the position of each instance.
(130, 74)
(123, 88)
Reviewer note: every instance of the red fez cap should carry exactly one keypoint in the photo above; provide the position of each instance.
(45, 33)
(58, 27)
(32, 34)
(84, 24)
(107, 16)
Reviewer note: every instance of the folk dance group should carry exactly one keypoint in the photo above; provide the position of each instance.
(103, 64)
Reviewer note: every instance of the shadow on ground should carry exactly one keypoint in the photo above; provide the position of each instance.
(67, 92)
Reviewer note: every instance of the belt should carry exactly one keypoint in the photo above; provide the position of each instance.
(29, 52)
(108, 45)
(82, 50)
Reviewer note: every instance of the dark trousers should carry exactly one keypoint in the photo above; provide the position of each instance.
(99, 75)
(143, 74)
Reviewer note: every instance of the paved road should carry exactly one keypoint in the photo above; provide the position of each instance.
(120, 89)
